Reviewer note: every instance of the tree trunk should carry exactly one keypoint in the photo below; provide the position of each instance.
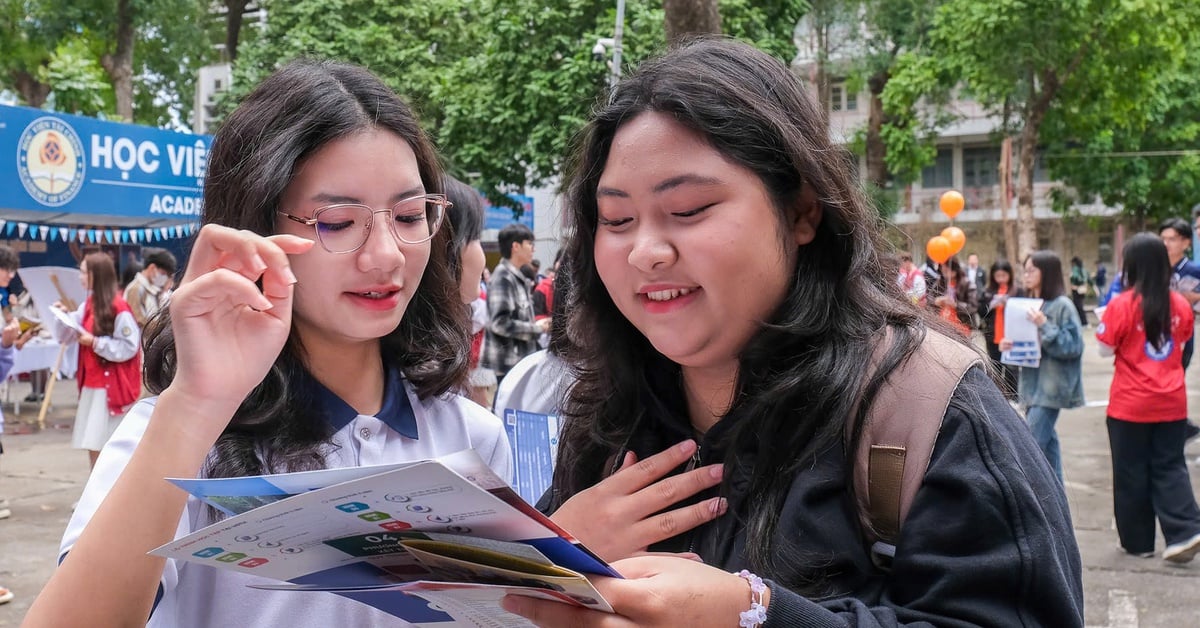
(233, 27)
(119, 65)
(690, 17)
(32, 92)
(875, 149)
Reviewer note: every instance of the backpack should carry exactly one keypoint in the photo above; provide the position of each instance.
(898, 436)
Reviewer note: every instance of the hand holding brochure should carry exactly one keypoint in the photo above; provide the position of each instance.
(1027, 346)
(435, 542)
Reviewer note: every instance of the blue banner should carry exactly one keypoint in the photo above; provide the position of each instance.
(75, 165)
(501, 217)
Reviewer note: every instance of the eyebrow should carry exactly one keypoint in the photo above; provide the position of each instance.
(664, 186)
(323, 197)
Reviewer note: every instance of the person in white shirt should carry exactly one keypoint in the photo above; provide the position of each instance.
(316, 325)
(147, 293)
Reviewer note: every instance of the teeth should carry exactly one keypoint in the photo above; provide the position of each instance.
(372, 295)
(667, 295)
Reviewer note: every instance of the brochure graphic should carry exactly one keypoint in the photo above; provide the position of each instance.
(534, 441)
(436, 542)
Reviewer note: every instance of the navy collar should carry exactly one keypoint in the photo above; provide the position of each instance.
(397, 411)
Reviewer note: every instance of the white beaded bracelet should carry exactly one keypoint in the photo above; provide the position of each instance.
(757, 615)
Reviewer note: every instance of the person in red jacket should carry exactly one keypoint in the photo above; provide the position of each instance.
(1146, 327)
(110, 366)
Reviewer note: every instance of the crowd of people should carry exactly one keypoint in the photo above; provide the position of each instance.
(333, 313)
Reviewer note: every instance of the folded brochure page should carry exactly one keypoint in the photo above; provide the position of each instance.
(447, 531)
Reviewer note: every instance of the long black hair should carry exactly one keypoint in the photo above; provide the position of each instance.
(1050, 266)
(290, 115)
(465, 217)
(800, 376)
(997, 266)
(1147, 270)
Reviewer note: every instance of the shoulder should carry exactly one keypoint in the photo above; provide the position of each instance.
(450, 412)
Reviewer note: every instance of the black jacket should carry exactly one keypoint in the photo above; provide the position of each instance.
(988, 540)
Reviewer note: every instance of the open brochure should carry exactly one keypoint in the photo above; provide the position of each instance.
(1026, 344)
(435, 542)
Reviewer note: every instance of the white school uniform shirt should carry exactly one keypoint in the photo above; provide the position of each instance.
(406, 429)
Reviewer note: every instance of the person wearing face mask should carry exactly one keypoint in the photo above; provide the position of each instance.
(147, 293)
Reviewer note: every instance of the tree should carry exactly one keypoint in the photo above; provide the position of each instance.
(502, 85)
(1042, 61)
(26, 45)
(1148, 167)
(80, 85)
(690, 17)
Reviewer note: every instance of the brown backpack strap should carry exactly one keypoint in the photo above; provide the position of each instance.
(901, 429)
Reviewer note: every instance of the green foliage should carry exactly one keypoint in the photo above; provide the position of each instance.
(170, 47)
(80, 84)
(502, 85)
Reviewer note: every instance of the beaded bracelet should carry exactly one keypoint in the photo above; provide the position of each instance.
(757, 615)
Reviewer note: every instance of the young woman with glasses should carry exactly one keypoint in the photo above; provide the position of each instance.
(316, 325)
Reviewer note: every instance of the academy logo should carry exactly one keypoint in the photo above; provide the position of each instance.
(1158, 355)
(50, 161)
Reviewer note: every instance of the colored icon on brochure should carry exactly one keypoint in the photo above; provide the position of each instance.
(374, 516)
(208, 552)
(395, 526)
(353, 507)
(458, 529)
(439, 519)
(253, 562)
(246, 538)
(399, 499)
(232, 557)
(418, 508)
(291, 550)
(269, 544)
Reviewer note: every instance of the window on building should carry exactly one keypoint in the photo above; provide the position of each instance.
(842, 98)
(981, 166)
(941, 173)
(1104, 250)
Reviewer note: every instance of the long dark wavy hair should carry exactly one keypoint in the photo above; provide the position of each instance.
(799, 377)
(294, 112)
(1147, 271)
(102, 277)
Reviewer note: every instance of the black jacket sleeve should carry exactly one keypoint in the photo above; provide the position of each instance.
(988, 540)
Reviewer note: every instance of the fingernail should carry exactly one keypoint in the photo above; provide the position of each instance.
(687, 446)
(717, 471)
(291, 278)
(264, 304)
(720, 506)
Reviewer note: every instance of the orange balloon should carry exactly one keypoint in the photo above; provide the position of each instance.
(951, 203)
(957, 239)
(938, 249)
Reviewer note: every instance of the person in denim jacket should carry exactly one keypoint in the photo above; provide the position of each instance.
(1057, 383)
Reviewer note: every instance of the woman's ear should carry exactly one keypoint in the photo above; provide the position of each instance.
(806, 216)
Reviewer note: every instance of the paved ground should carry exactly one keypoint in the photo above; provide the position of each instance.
(41, 475)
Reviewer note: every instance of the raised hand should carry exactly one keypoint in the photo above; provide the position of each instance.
(228, 332)
(659, 591)
(617, 518)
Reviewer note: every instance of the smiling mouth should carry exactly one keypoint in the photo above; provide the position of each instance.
(667, 295)
(375, 295)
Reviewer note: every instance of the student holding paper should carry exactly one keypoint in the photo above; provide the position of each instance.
(1146, 327)
(316, 326)
(1057, 382)
(110, 363)
(732, 309)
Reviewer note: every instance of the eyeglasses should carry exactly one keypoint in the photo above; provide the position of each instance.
(344, 228)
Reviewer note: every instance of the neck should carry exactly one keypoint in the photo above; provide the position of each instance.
(352, 371)
(1174, 259)
(709, 394)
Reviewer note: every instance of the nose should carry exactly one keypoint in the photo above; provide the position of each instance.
(381, 251)
(652, 250)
